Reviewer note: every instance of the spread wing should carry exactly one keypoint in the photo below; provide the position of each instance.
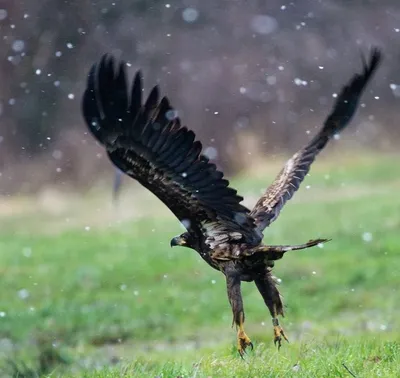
(147, 142)
(289, 179)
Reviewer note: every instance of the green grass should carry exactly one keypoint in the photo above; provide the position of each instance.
(115, 300)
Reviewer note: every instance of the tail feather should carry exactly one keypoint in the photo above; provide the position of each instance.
(276, 252)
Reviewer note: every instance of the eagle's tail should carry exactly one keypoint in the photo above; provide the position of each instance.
(276, 252)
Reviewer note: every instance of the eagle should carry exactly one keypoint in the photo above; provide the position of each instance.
(144, 139)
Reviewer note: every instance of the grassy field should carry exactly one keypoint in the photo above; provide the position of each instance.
(88, 290)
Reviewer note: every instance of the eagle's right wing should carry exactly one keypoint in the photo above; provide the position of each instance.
(147, 142)
(289, 179)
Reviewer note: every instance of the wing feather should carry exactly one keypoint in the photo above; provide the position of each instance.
(289, 179)
(145, 143)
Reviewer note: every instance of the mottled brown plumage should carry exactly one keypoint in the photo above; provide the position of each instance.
(147, 142)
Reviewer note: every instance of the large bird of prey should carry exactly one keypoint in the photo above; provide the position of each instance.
(146, 141)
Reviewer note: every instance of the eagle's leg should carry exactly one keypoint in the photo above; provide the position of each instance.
(235, 299)
(267, 287)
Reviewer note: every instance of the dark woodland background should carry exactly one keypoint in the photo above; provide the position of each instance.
(253, 78)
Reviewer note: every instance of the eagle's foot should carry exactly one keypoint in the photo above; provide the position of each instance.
(278, 333)
(243, 342)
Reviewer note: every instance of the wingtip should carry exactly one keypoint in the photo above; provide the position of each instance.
(91, 74)
(106, 56)
(153, 98)
(375, 58)
(138, 79)
(107, 60)
(108, 63)
(139, 74)
(376, 53)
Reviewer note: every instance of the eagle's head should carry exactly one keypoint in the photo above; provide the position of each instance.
(183, 240)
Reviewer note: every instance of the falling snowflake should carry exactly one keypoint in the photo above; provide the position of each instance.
(3, 14)
(27, 251)
(186, 223)
(263, 24)
(190, 15)
(395, 89)
(367, 237)
(18, 45)
(298, 81)
(23, 293)
(211, 152)
(171, 114)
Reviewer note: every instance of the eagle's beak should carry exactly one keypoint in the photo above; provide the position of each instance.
(176, 241)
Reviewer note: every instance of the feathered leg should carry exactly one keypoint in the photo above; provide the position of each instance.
(235, 299)
(266, 285)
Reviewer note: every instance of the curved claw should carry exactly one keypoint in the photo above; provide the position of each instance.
(243, 343)
(277, 340)
(279, 333)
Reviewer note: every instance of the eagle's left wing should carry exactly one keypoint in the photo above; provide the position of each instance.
(146, 141)
(289, 179)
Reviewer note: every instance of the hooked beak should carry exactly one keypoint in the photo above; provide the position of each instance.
(177, 241)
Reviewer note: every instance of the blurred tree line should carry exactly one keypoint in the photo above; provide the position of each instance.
(249, 76)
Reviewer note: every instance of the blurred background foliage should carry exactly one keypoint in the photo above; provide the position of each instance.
(252, 78)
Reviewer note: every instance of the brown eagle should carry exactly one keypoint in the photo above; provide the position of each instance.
(146, 141)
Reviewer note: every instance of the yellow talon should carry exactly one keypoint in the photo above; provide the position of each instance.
(243, 340)
(278, 333)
